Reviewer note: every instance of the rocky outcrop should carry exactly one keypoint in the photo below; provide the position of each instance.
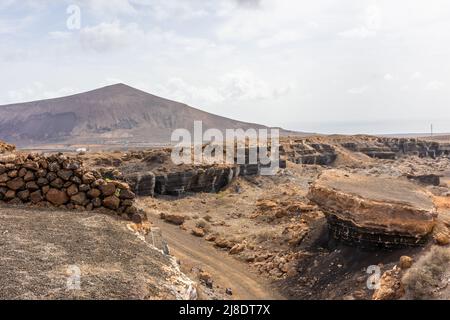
(372, 148)
(390, 286)
(390, 148)
(197, 180)
(426, 179)
(374, 212)
(206, 179)
(60, 181)
(142, 183)
(303, 151)
(153, 172)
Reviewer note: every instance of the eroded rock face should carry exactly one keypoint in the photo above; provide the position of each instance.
(426, 179)
(303, 151)
(389, 148)
(374, 211)
(199, 180)
(143, 184)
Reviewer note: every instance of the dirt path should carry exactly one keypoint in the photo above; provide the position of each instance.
(226, 271)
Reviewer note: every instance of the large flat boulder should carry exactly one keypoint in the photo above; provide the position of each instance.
(370, 211)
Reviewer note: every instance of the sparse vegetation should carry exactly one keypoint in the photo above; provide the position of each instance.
(265, 235)
(425, 277)
(202, 224)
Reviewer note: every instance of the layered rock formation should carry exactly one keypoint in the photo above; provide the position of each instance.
(303, 151)
(209, 179)
(198, 180)
(374, 211)
(426, 179)
(390, 148)
(153, 172)
(142, 183)
(57, 180)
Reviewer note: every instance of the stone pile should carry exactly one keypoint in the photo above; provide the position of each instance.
(4, 147)
(374, 212)
(57, 180)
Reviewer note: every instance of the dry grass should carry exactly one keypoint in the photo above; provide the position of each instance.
(265, 235)
(203, 224)
(425, 277)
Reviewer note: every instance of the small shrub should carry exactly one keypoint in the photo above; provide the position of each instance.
(207, 218)
(425, 276)
(265, 235)
(202, 224)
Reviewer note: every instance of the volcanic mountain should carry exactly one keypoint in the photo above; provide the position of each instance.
(109, 115)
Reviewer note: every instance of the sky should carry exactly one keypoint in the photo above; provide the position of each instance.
(328, 66)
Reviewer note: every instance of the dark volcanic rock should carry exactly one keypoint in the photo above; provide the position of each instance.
(57, 197)
(390, 148)
(197, 180)
(426, 179)
(15, 184)
(302, 151)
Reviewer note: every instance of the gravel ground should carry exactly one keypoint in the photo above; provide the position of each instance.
(40, 250)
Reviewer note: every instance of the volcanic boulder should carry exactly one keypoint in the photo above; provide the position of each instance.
(374, 211)
(57, 197)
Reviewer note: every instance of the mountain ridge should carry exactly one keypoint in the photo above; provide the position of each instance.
(116, 113)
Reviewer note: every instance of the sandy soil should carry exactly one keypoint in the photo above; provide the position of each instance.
(40, 247)
(226, 271)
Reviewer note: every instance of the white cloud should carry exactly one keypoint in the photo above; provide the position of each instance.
(269, 23)
(359, 32)
(371, 21)
(233, 87)
(174, 9)
(240, 56)
(434, 85)
(416, 75)
(59, 35)
(244, 85)
(178, 89)
(14, 25)
(358, 90)
(109, 36)
(37, 91)
(109, 8)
